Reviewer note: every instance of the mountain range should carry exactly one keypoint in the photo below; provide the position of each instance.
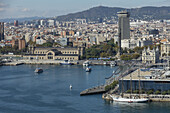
(102, 12)
(145, 13)
(21, 19)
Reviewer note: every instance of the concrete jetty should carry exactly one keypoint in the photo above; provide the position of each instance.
(94, 90)
(32, 62)
(12, 63)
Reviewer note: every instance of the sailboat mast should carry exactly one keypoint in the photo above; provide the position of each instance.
(122, 85)
(130, 84)
(139, 80)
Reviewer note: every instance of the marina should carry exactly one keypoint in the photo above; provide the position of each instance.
(54, 85)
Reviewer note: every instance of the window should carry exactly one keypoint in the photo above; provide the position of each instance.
(50, 57)
(50, 53)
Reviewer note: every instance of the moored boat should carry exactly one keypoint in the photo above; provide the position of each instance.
(129, 100)
(86, 63)
(112, 64)
(66, 62)
(88, 69)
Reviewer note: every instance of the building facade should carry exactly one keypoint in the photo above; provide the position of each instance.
(1, 31)
(20, 43)
(16, 23)
(150, 56)
(145, 85)
(132, 43)
(124, 28)
(165, 49)
(54, 53)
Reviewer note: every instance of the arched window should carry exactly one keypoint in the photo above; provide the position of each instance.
(50, 53)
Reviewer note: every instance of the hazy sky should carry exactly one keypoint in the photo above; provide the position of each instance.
(50, 8)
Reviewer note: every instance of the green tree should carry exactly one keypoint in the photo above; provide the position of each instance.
(164, 92)
(157, 92)
(135, 55)
(128, 91)
(138, 49)
(150, 92)
(47, 44)
(125, 57)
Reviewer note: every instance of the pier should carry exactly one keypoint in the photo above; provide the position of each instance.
(94, 90)
(12, 63)
(32, 62)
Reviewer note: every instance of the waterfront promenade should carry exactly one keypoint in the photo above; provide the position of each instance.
(50, 62)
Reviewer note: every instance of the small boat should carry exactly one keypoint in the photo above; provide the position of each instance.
(88, 69)
(86, 63)
(66, 62)
(38, 70)
(112, 64)
(70, 86)
(104, 63)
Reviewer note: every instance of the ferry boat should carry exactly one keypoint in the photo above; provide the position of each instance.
(38, 70)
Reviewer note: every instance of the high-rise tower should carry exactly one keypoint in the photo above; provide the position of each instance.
(16, 23)
(1, 31)
(124, 27)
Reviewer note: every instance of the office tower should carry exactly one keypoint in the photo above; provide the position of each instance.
(124, 27)
(16, 23)
(1, 31)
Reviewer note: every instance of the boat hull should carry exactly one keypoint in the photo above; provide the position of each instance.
(129, 100)
(66, 64)
(38, 71)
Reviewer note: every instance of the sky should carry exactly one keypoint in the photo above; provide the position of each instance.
(52, 8)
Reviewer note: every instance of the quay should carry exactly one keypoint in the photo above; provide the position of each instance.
(12, 63)
(152, 97)
(32, 62)
(94, 90)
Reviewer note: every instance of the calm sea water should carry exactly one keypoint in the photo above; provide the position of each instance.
(23, 91)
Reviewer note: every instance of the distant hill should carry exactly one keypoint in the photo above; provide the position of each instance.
(94, 13)
(20, 19)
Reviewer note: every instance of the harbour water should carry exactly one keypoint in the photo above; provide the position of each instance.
(23, 91)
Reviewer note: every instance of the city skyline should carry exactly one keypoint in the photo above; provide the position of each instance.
(45, 8)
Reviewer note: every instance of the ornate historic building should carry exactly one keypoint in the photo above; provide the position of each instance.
(165, 49)
(150, 56)
(52, 53)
